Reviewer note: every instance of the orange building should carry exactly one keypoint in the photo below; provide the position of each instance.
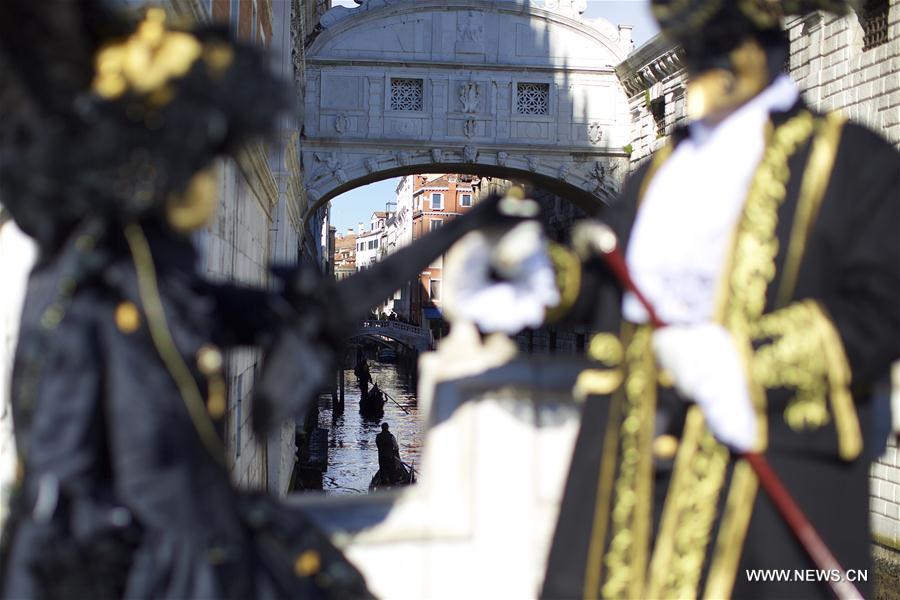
(437, 198)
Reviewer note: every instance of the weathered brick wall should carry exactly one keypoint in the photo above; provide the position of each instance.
(237, 248)
(835, 73)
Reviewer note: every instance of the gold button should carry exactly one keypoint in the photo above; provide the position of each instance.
(128, 318)
(209, 359)
(665, 379)
(308, 563)
(665, 447)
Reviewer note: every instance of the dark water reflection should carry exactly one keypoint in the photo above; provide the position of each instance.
(352, 454)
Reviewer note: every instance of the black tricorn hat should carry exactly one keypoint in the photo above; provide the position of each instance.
(107, 114)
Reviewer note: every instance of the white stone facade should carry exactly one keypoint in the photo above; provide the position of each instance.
(467, 86)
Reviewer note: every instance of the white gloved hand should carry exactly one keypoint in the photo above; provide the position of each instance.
(526, 288)
(707, 368)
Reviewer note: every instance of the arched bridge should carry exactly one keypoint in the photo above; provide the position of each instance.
(517, 89)
(417, 338)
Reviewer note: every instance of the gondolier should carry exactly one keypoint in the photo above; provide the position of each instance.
(766, 234)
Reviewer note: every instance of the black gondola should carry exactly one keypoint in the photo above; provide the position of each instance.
(404, 476)
(371, 403)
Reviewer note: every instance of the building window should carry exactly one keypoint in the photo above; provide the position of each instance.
(437, 202)
(533, 98)
(465, 200)
(235, 15)
(874, 20)
(435, 224)
(658, 110)
(434, 287)
(406, 94)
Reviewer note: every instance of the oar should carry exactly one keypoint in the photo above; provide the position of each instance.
(388, 396)
(793, 515)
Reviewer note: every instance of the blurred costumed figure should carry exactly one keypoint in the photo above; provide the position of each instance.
(765, 234)
(119, 394)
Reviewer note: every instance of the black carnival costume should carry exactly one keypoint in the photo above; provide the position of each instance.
(655, 506)
(118, 389)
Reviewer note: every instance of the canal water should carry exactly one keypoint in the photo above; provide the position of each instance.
(352, 453)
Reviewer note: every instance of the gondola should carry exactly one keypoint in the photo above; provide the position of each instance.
(405, 476)
(371, 404)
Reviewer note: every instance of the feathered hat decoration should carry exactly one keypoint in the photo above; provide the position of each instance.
(110, 115)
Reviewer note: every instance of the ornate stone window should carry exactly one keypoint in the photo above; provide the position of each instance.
(874, 20)
(533, 98)
(406, 94)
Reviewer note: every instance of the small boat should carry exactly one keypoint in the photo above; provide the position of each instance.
(371, 404)
(405, 476)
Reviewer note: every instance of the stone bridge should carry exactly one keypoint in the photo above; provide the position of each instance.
(416, 338)
(519, 89)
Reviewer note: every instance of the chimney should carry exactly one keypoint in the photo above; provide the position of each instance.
(361, 228)
(625, 39)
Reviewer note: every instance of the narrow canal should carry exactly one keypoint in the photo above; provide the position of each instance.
(352, 454)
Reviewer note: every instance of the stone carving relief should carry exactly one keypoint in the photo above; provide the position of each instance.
(502, 158)
(470, 27)
(341, 124)
(402, 158)
(533, 163)
(564, 171)
(372, 165)
(470, 97)
(470, 128)
(437, 155)
(603, 176)
(330, 164)
(470, 153)
(595, 133)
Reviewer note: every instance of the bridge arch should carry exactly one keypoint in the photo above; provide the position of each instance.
(502, 88)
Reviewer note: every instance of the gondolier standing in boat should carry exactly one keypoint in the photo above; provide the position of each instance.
(363, 377)
(388, 454)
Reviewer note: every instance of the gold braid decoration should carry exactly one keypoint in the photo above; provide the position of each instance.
(806, 354)
(626, 557)
(701, 464)
(567, 267)
(756, 247)
(148, 291)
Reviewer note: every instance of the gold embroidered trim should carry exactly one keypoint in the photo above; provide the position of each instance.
(596, 382)
(607, 349)
(806, 354)
(568, 279)
(626, 556)
(846, 421)
(756, 244)
(735, 521)
(701, 464)
(812, 192)
(594, 564)
(689, 512)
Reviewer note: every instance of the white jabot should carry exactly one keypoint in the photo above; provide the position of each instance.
(683, 228)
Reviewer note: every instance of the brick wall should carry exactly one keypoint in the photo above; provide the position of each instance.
(835, 73)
